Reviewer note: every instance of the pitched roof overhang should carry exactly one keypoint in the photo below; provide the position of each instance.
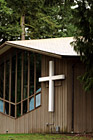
(56, 47)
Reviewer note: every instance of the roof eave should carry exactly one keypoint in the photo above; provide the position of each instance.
(29, 49)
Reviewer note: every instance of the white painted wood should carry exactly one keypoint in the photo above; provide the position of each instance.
(43, 79)
(58, 77)
(51, 79)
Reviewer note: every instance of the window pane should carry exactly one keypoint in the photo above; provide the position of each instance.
(18, 110)
(31, 103)
(1, 105)
(7, 80)
(13, 79)
(25, 107)
(25, 74)
(1, 79)
(6, 108)
(19, 65)
(39, 90)
(31, 74)
(38, 71)
(12, 110)
(38, 99)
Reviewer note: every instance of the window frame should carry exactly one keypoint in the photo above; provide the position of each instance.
(8, 57)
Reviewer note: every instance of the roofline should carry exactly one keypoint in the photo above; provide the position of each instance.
(1, 46)
(30, 49)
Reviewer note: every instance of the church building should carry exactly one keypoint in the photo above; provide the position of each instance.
(39, 88)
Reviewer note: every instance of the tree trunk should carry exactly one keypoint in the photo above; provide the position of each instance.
(23, 27)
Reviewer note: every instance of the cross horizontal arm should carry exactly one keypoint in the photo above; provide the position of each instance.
(58, 77)
(43, 79)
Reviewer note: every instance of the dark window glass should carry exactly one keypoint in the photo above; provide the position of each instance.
(31, 74)
(35, 73)
(1, 79)
(1, 106)
(38, 99)
(25, 75)
(19, 65)
(25, 107)
(38, 72)
(12, 110)
(18, 110)
(7, 80)
(13, 79)
(31, 103)
(6, 108)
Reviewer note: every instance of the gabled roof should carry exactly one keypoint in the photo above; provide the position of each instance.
(54, 46)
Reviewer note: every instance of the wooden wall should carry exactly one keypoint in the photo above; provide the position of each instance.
(83, 102)
(7, 124)
(83, 105)
(37, 120)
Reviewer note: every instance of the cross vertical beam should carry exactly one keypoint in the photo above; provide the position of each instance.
(51, 87)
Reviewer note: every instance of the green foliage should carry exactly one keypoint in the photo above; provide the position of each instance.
(83, 20)
(43, 24)
(43, 19)
(67, 27)
(52, 20)
(9, 27)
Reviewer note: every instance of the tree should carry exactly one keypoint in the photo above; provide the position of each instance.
(39, 19)
(9, 26)
(83, 20)
(33, 19)
(53, 20)
(43, 19)
(25, 10)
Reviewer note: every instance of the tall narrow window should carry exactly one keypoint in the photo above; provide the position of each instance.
(13, 79)
(25, 107)
(38, 84)
(1, 105)
(19, 67)
(31, 103)
(38, 72)
(12, 110)
(38, 99)
(7, 80)
(31, 74)
(25, 74)
(1, 79)
(19, 110)
(6, 108)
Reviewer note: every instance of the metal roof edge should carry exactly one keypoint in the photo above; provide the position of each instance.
(30, 49)
(1, 46)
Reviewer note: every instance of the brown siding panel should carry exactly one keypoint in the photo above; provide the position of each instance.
(37, 120)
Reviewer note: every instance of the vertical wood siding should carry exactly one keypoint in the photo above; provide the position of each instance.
(83, 102)
(36, 121)
(6, 124)
(83, 109)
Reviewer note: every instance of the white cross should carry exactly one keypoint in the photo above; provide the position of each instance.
(51, 79)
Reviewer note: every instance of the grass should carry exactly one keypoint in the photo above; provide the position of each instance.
(44, 137)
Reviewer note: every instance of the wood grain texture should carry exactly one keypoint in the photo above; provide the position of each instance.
(40, 120)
